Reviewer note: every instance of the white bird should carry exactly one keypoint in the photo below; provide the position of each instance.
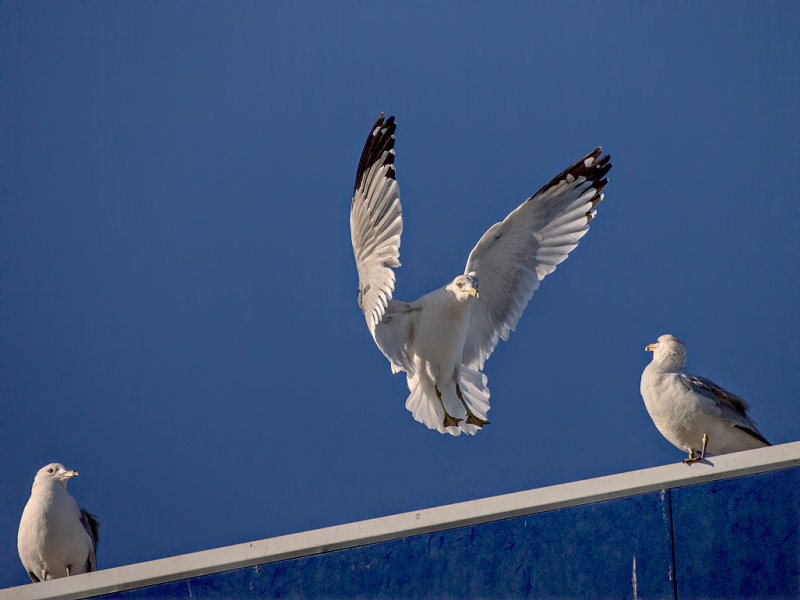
(694, 413)
(442, 339)
(56, 537)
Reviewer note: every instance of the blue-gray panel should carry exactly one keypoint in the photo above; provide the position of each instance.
(581, 552)
(172, 589)
(739, 538)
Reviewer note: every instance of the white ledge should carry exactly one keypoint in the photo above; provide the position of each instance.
(406, 524)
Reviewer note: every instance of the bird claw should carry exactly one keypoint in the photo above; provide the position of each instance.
(473, 420)
(692, 458)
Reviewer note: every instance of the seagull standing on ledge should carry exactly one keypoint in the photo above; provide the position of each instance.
(692, 412)
(56, 537)
(442, 339)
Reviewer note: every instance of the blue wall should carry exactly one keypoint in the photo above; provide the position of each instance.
(736, 538)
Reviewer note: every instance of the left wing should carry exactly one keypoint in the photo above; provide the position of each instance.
(732, 408)
(513, 257)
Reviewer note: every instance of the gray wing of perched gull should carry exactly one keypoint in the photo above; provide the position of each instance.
(442, 339)
(56, 537)
(732, 408)
(92, 526)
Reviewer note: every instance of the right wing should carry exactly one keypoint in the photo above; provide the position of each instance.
(732, 408)
(92, 527)
(376, 222)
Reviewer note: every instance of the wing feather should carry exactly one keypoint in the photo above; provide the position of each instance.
(376, 222)
(732, 408)
(92, 527)
(513, 256)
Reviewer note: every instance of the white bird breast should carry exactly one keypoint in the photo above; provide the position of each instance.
(441, 327)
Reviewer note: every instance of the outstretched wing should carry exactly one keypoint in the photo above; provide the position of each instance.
(376, 222)
(732, 408)
(92, 527)
(513, 257)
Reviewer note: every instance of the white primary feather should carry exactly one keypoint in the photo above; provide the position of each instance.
(443, 339)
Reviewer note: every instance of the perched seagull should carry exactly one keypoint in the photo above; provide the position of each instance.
(56, 537)
(692, 412)
(442, 339)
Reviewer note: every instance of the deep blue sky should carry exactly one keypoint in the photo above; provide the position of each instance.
(179, 317)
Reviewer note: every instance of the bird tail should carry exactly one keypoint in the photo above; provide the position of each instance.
(426, 408)
(475, 392)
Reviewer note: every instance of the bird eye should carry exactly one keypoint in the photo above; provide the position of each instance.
(459, 284)
(50, 470)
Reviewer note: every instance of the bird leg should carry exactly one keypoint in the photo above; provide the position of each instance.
(68, 566)
(692, 458)
(449, 421)
(471, 419)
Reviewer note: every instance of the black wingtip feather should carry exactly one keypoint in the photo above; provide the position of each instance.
(595, 172)
(599, 186)
(379, 140)
(754, 433)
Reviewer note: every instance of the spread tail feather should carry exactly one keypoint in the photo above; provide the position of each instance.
(426, 409)
(475, 392)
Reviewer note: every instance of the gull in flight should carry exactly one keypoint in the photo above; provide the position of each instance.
(56, 537)
(442, 339)
(692, 412)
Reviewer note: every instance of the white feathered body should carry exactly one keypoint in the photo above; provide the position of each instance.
(436, 337)
(440, 333)
(51, 535)
(683, 415)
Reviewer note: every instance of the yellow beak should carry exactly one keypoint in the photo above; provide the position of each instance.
(650, 347)
(474, 292)
(71, 474)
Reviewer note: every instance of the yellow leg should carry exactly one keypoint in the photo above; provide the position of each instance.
(449, 421)
(705, 444)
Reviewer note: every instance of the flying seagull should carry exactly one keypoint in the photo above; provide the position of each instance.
(442, 339)
(693, 412)
(56, 537)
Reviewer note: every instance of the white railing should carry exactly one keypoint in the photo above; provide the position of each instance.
(411, 523)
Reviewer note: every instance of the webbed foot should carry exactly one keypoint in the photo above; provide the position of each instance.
(473, 420)
(450, 421)
(692, 458)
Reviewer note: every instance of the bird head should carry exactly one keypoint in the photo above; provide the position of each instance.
(668, 351)
(465, 287)
(55, 472)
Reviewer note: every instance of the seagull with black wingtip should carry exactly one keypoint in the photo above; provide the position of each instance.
(442, 339)
(692, 412)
